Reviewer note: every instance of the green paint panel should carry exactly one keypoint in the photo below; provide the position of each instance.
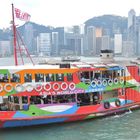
(37, 111)
(5, 71)
(82, 85)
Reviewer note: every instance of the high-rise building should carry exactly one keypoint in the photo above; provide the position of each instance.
(29, 38)
(105, 43)
(132, 36)
(99, 33)
(118, 43)
(91, 40)
(55, 48)
(61, 38)
(74, 43)
(44, 44)
(128, 48)
(131, 18)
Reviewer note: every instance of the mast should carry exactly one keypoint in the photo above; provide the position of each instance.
(14, 36)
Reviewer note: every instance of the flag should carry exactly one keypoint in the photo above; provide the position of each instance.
(22, 15)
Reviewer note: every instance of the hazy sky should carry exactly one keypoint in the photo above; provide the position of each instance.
(65, 12)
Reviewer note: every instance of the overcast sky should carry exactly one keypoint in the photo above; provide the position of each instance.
(65, 12)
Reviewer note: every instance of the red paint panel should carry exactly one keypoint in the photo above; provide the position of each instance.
(7, 114)
(76, 118)
(133, 70)
(132, 94)
(87, 109)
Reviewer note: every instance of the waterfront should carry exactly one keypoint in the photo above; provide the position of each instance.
(120, 127)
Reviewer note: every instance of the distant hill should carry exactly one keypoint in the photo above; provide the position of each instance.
(108, 22)
(37, 28)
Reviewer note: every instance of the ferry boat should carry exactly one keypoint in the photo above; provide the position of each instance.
(66, 91)
(43, 94)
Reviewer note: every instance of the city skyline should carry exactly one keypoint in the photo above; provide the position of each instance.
(65, 13)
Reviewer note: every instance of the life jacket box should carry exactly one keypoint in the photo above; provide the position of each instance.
(26, 107)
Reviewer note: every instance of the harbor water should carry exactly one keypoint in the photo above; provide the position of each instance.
(119, 127)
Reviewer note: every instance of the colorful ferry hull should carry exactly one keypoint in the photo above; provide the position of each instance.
(65, 98)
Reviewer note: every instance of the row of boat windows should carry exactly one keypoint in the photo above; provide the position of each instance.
(38, 77)
(17, 103)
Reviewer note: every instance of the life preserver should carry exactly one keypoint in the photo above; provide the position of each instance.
(8, 89)
(116, 81)
(122, 80)
(29, 88)
(38, 87)
(106, 105)
(110, 82)
(19, 88)
(56, 86)
(93, 83)
(72, 86)
(117, 102)
(64, 86)
(47, 86)
(99, 83)
(1, 88)
(104, 82)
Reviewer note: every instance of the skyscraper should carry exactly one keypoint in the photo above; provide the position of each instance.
(132, 29)
(29, 38)
(91, 40)
(44, 44)
(118, 43)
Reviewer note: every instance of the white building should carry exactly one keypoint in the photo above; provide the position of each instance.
(118, 43)
(44, 44)
(5, 48)
(91, 40)
(105, 42)
(55, 43)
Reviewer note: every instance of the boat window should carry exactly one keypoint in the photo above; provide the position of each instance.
(49, 77)
(24, 99)
(15, 78)
(109, 94)
(36, 100)
(16, 99)
(63, 98)
(4, 78)
(69, 77)
(39, 77)
(59, 77)
(85, 76)
(28, 77)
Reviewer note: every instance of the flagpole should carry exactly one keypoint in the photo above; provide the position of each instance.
(14, 36)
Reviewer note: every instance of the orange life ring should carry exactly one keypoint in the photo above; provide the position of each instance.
(8, 87)
(47, 86)
(1, 88)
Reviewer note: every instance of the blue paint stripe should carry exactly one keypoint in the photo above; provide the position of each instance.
(32, 122)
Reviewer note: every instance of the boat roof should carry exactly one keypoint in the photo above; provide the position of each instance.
(73, 65)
